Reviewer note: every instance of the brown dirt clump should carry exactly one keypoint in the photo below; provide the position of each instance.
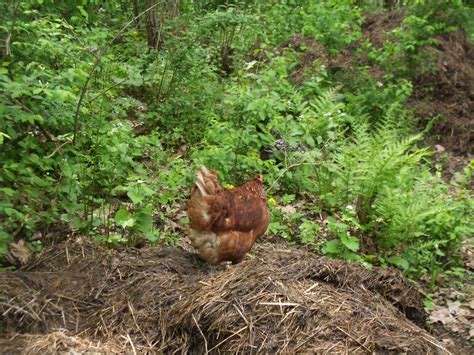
(77, 297)
(377, 25)
(308, 52)
(451, 93)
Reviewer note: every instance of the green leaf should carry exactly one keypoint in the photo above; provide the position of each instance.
(332, 247)
(7, 191)
(428, 303)
(5, 238)
(399, 261)
(310, 141)
(123, 218)
(287, 198)
(144, 221)
(63, 95)
(135, 195)
(82, 11)
(351, 243)
(336, 227)
(121, 215)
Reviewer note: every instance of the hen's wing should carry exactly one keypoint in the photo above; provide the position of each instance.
(247, 210)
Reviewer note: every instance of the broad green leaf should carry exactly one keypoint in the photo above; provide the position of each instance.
(351, 243)
(63, 95)
(121, 215)
(136, 195)
(399, 261)
(332, 247)
(144, 221)
(123, 218)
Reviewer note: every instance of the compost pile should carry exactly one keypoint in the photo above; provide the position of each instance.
(78, 297)
(452, 94)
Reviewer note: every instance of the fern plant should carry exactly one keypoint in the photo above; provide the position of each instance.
(370, 161)
(420, 221)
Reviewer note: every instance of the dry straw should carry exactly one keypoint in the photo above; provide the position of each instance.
(78, 297)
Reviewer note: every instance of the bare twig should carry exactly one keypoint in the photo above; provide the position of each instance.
(105, 91)
(57, 149)
(230, 336)
(202, 334)
(162, 80)
(96, 64)
(9, 39)
(131, 343)
(19, 309)
(357, 341)
(437, 345)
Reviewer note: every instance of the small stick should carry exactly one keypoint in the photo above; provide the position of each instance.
(136, 324)
(202, 334)
(57, 149)
(131, 343)
(357, 341)
(279, 304)
(67, 256)
(230, 336)
(438, 346)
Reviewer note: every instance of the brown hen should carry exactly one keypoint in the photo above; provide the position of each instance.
(225, 223)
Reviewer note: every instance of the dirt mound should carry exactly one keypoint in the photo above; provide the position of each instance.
(452, 94)
(377, 25)
(447, 91)
(78, 297)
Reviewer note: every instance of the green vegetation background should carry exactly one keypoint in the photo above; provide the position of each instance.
(100, 133)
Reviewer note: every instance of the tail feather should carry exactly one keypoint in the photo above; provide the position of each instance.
(206, 181)
(201, 175)
(198, 210)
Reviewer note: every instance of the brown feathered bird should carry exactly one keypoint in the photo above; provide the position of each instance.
(225, 223)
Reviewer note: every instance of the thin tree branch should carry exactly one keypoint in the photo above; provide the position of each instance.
(9, 40)
(37, 124)
(96, 64)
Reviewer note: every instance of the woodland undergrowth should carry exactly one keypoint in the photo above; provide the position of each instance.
(101, 132)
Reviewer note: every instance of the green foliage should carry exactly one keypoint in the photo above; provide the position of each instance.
(334, 24)
(354, 182)
(404, 54)
(422, 222)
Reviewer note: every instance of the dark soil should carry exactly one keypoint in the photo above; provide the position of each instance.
(452, 95)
